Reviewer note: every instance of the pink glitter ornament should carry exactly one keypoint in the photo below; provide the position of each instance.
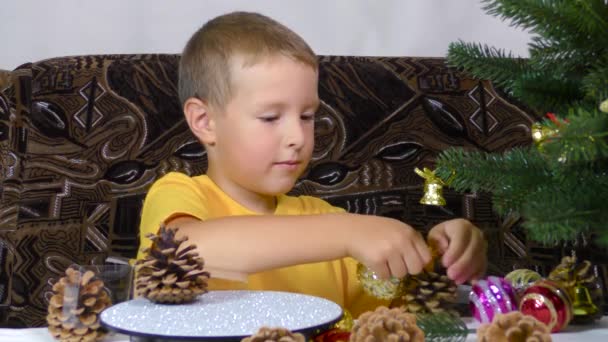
(491, 296)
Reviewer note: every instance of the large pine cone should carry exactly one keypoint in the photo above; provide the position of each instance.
(73, 312)
(274, 335)
(170, 273)
(427, 292)
(386, 325)
(513, 327)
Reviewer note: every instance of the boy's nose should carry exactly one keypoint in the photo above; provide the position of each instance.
(295, 135)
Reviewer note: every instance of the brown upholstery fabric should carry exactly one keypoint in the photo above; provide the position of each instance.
(4, 78)
(83, 138)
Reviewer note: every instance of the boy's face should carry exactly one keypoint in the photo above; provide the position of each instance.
(265, 135)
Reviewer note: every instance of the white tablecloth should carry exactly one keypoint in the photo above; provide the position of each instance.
(597, 332)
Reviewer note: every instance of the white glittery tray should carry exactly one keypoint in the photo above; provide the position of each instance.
(222, 315)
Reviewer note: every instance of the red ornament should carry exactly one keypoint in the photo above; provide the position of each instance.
(333, 335)
(555, 119)
(549, 303)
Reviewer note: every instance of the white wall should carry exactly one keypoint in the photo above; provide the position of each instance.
(31, 30)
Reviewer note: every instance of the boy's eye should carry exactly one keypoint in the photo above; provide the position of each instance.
(269, 118)
(307, 117)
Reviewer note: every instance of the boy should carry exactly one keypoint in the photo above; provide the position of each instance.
(248, 86)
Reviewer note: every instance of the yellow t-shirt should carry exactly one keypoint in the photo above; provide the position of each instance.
(177, 194)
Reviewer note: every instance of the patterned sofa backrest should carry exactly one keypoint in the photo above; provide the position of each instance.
(82, 138)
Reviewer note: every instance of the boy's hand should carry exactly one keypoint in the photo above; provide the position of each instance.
(463, 248)
(387, 246)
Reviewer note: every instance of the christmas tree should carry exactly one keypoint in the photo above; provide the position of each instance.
(559, 185)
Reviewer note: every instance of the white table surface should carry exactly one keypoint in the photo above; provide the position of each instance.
(597, 332)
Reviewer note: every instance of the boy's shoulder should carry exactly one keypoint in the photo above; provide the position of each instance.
(203, 187)
(305, 205)
(177, 180)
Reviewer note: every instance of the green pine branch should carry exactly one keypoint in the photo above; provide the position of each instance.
(485, 62)
(595, 83)
(582, 141)
(557, 187)
(558, 20)
(557, 202)
(563, 57)
(570, 205)
(507, 176)
(547, 92)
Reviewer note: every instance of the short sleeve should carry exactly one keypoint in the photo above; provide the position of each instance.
(306, 205)
(173, 195)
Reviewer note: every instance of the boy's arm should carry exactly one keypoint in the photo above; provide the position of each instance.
(236, 246)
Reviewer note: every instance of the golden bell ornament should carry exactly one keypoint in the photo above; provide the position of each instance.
(582, 305)
(433, 187)
(540, 133)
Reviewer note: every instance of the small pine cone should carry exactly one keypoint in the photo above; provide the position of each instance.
(427, 292)
(513, 327)
(73, 311)
(266, 334)
(169, 272)
(390, 325)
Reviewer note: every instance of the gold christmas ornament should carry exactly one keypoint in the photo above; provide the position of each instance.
(428, 292)
(375, 286)
(542, 133)
(170, 272)
(266, 334)
(73, 311)
(583, 308)
(569, 272)
(513, 327)
(392, 288)
(578, 280)
(520, 279)
(433, 187)
(346, 322)
(383, 324)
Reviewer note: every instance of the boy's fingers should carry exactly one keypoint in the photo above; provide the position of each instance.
(423, 251)
(455, 250)
(381, 270)
(438, 239)
(414, 263)
(397, 267)
(469, 263)
(438, 243)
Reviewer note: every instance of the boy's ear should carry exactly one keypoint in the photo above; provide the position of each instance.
(201, 122)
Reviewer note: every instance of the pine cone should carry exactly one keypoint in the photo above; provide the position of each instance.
(169, 273)
(513, 327)
(391, 325)
(73, 312)
(274, 335)
(427, 292)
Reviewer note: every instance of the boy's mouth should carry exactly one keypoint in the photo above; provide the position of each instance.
(289, 165)
(288, 162)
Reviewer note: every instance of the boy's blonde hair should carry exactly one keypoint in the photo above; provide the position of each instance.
(204, 68)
